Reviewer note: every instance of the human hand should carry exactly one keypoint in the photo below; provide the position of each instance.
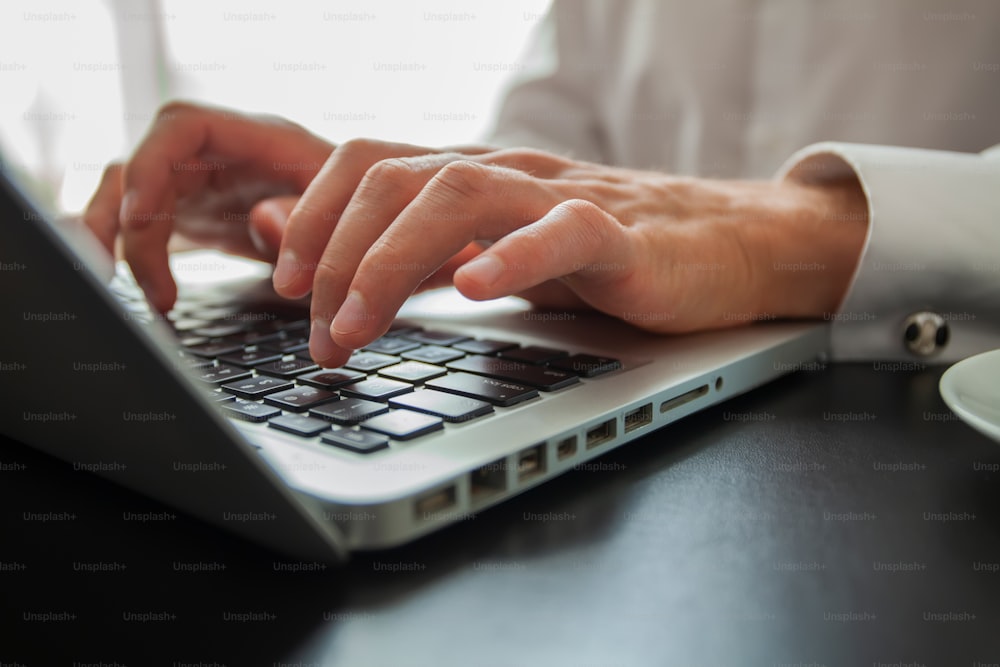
(666, 253)
(211, 177)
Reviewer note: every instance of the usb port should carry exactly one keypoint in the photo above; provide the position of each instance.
(488, 480)
(530, 462)
(434, 503)
(598, 435)
(566, 448)
(639, 417)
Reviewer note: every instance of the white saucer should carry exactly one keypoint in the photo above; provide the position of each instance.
(972, 389)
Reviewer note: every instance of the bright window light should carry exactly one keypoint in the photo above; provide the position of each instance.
(82, 79)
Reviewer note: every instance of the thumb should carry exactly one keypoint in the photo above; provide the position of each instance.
(267, 224)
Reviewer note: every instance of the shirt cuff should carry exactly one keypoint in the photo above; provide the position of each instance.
(930, 256)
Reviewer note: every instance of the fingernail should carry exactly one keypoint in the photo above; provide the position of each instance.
(352, 315)
(286, 270)
(485, 270)
(126, 215)
(321, 346)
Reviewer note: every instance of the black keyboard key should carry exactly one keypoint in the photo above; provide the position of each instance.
(542, 377)
(219, 396)
(348, 411)
(401, 327)
(587, 365)
(258, 337)
(497, 392)
(412, 371)
(433, 354)
(215, 348)
(370, 361)
(287, 368)
(222, 373)
(287, 345)
(362, 442)
(450, 407)
(195, 362)
(300, 399)
(534, 354)
(248, 358)
(434, 337)
(250, 411)
(484, 346)
(376, 389)
(257, 387)
(307, 427)
(403, 424)
(391, 345)
(295, 326)
(330, 378)
(220, 330)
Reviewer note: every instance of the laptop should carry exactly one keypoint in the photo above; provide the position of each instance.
(217, 410)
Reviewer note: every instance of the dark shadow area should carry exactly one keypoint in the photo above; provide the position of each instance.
(835, 517)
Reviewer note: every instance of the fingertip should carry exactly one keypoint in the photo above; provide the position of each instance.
(353, 322)
(160, 294)
(322, 348)
(335, 360)
(480, 278)
(287, 277)
(265, 231)
(484, 270)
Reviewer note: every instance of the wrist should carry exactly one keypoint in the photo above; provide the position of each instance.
(810, 248)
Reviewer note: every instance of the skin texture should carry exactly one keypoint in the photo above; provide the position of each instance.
(363, 225)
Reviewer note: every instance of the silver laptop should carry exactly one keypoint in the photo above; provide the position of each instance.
(217, 410)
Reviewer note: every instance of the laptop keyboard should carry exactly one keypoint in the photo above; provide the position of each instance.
(402, 387)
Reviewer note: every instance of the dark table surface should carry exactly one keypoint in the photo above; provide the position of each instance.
(834, 517)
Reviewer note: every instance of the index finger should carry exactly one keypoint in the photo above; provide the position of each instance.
(186, 148)
(321, 206)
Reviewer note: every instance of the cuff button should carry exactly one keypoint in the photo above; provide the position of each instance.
(925, 333)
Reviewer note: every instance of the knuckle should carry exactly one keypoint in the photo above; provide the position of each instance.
(390, 170)
(465, 178)
(353, 148)
(327, 270)
(527, 159)
(385, 256)
(587, 212)
(591, 224)
(382, 179)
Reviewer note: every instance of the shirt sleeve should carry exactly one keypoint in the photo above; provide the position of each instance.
(549, 103)
(932, 250)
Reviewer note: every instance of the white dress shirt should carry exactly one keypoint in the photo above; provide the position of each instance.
(903, 93)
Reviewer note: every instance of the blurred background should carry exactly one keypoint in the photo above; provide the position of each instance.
(80, 80)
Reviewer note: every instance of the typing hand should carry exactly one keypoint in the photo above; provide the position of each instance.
(668, 254)
(213, 178)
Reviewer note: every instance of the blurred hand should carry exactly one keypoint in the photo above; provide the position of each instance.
(211, 177)
(665, 253)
